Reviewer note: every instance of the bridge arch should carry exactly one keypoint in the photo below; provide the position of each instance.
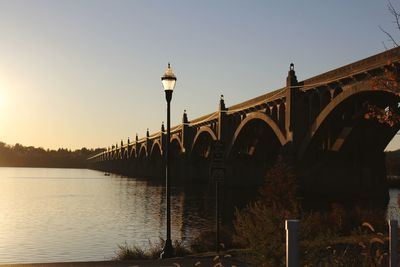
(200, 153)
(337, 91)
(325, 96)
(125, 154)
(156, 149)
(274, 113)
(118, 153)
(343, 152)
(282, 115)
(176, 146)
(257, 116)
(202, 139)
(343, 96)
(315, 104)
(155, 164)
(142, 152)
(255, 147)
(132, 152)
(176, 158)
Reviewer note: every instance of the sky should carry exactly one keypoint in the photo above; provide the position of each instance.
(87, 73)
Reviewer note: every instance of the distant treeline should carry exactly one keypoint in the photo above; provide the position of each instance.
(29, 156)
(393, 162)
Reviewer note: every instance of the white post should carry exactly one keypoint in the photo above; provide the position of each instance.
(393, 243)
(292, 243)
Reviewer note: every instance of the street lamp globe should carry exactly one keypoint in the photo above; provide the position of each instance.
(168, 79)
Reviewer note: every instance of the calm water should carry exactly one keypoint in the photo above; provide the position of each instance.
(52, 215)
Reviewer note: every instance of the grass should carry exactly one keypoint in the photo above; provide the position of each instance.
(136, 252)
(130, 252)
(363, 247)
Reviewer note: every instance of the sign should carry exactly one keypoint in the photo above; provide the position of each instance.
(217, 166)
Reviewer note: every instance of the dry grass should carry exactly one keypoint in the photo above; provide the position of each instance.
(135, 252)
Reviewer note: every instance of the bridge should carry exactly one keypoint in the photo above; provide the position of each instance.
(318, 125)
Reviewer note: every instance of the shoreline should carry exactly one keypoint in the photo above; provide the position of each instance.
(173, 262)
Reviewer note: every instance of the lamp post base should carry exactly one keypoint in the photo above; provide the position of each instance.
(168, 250)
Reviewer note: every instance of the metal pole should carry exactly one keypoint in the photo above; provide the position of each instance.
(393, 226)
(167, 172)
(168, 250)
(292, 243)
(217, 215)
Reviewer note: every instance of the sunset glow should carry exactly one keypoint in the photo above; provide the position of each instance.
(5, 100)
(95, 75)
(2, 99)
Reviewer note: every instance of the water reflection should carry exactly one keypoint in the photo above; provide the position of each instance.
(67, 214)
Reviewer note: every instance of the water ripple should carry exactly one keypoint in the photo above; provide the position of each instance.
(50, 215)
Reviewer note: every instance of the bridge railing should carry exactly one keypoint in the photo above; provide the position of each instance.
(361, 66)
(204, 119)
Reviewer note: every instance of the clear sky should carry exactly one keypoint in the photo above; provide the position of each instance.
(87, 73)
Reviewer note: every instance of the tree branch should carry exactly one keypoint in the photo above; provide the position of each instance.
(390, 36)
(395, 14)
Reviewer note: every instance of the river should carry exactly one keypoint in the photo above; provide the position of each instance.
(56, 215)
(53, 215)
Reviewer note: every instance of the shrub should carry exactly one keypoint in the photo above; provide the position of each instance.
(135, 252)
(127, 252)
(206, 240)
(329, 238)
(260, 226)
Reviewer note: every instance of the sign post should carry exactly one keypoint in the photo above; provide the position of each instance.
(217, 174)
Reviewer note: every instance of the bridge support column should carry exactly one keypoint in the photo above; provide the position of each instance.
(187, 135)
(224, 130)
(292, 92)
(162, 139)
(137, 145)
(334, 177)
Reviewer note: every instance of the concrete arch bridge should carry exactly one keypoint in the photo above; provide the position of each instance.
(318, 124)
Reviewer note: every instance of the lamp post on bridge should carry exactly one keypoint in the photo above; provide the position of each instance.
(168, 80)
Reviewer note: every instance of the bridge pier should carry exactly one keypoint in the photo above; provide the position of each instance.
(348, 179)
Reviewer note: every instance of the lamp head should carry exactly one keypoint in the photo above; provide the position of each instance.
(168, 79)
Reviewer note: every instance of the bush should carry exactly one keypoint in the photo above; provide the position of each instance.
(206, 241)
(260, 226)
(330, 238)
(127, 252)
(135, 252)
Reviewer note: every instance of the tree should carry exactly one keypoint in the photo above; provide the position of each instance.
(396, 15)
(389, 80)
(22, 156)
(260, 225)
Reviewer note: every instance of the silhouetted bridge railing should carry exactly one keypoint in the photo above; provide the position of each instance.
(317, 123)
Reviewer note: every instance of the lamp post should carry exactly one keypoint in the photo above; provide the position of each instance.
(168, 80)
